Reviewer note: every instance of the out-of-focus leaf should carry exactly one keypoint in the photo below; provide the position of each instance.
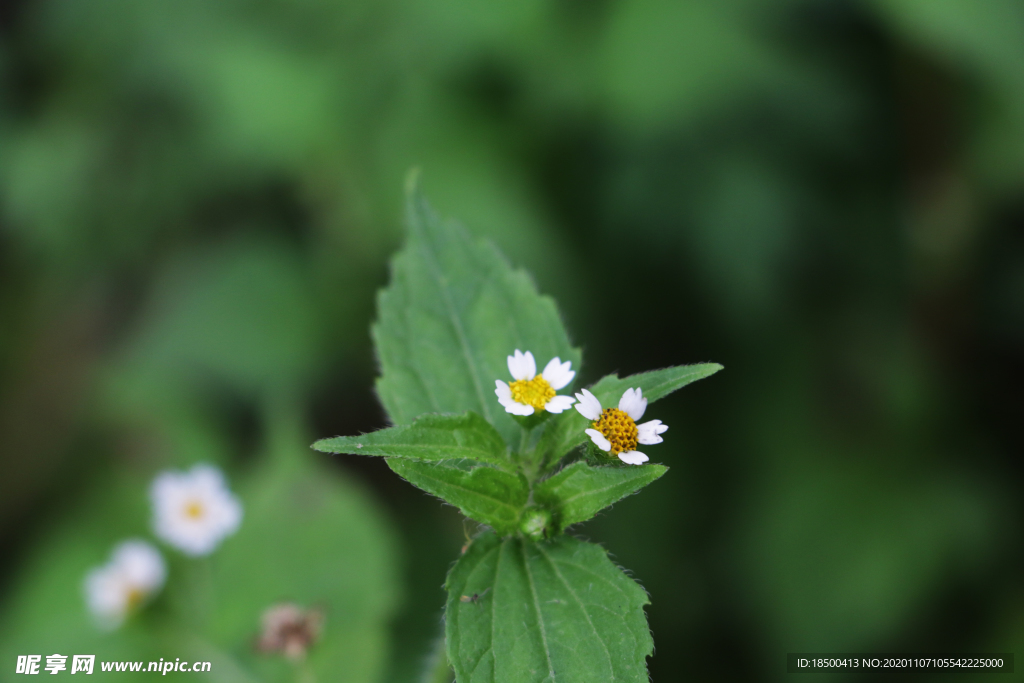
(309, 537)
(849, 549)
(452, 314)
(524, 612)
(242, 314)
(580, 491)
(675, 60)
(487, 495)
(35, 161)
(567, 431)
(430, 438)
(744, 222)
(982, 39)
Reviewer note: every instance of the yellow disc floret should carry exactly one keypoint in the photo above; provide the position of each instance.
(135, 597)
(194, 510)
(619, 429)
(534, 392)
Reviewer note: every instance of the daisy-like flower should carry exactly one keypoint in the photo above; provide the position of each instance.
(135, 572)
(194, 511)
(615, 430)
(530, 392)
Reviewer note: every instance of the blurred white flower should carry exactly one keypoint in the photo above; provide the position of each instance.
(194, 510)
(529, 391)
(615, 430)
(135, 572)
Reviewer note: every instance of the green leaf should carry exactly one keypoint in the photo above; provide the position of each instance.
(566, 431)
(429, 438)
(313, 537)
(552, 611)
(242, 313)
(453, 312)
(580, 491)
(485, 494)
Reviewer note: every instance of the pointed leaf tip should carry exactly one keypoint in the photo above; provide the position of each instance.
(566, 431)
(450, 316)
(432, 437)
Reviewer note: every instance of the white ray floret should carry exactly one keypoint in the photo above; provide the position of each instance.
(633, 403)
(194, 511)
(598, 438)
(633, 458)
(615, 431)
(135, 572)
(530, 392)
(522, 366)
(588, 405)
(648, 432)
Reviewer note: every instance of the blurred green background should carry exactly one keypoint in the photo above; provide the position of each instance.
(198, 200)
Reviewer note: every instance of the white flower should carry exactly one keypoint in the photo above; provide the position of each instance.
(615, 430)
(194, 511)
(135, 572)
(529, 391)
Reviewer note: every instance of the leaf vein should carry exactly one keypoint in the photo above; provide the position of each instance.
(536, 607)
(456, 323)
(586, 614)
(603, 579)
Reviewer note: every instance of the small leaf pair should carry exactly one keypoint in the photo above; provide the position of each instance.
(462, 459)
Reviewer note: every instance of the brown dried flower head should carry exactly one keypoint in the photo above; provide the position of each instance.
(290, 630)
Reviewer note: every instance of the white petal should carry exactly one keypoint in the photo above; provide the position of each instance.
(633, 403)
(531, 365)
(140, 564)
(558, 374)
(517, 366)
(598, 438)
(633, 457)
(502, 390)
(515, 408)
(559, 403)
(647, 433)
(588, 406)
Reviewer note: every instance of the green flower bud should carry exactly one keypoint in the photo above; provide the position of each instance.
(535, 523)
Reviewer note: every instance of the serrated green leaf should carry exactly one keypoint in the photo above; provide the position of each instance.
(544, 612)
(429, 438)
(566, 431)
(453, 312)
(485, 494)
(580, 491)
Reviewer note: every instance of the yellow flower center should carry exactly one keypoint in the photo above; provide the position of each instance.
(194, 510)
(534, 392)
(135, 597)
(618, 428)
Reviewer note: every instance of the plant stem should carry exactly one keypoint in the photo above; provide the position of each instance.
(437, 669)
(305, 673)
(530, 468)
